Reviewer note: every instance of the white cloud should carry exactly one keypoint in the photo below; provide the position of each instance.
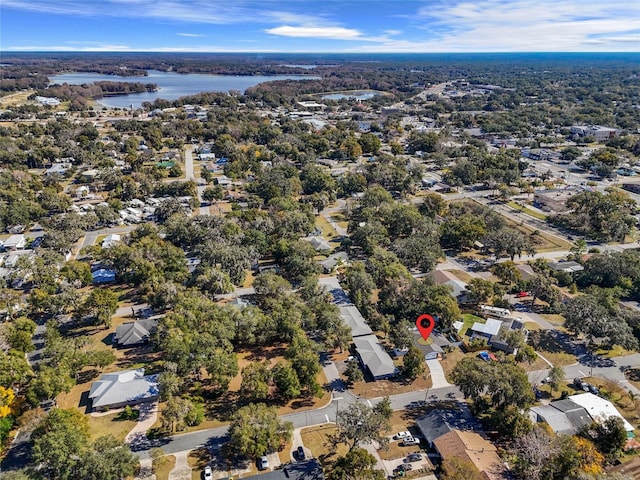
(334, 33)
(190, 34)
(525, 25)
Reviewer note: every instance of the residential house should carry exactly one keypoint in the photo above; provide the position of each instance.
(566, 266)
(526, 272)
(128, 387)
(472, 447)
(599, 409)
(134, 333)
(307, 470)
(333, 261)
(557, 420)
(458, 287)
(57, 169)
(103, 275)
(15, 242)
(441, 421)
(493, 331)
(88, 176)
(111, 240)
(374, 357)
(319, 244)
(355, 321)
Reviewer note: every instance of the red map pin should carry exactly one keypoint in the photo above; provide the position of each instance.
(425, 324)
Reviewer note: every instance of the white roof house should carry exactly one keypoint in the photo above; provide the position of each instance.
(15, 242)
(490, 328)
(111, 240)
(128, 387)
(599, 409)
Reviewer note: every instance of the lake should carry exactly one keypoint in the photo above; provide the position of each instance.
(171, 85)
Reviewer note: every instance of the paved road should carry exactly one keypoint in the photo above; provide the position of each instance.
(91, 237)
(215, 436)
(604, 368)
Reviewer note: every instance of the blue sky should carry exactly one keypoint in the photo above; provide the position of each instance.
(320, 26)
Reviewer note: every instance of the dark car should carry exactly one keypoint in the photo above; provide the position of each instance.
(300, 453)
(578, 383)
(405, 467)
(36, 242)
(414, 457)
(593, 389)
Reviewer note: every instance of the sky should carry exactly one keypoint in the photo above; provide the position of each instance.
(353, 26)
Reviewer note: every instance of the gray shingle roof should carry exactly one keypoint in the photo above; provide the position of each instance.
(127, 386)
(353, 319)
(444, 420)
(375, 357)
(133, 333)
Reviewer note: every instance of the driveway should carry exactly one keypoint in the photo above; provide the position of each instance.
(438, 378)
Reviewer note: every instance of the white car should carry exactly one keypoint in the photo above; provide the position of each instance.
(408, 441)
(208, 474)
(263, 463)
(401, 435)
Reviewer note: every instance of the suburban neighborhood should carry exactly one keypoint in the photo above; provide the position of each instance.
(230, 284)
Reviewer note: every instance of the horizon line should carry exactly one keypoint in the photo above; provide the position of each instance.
(253, 52)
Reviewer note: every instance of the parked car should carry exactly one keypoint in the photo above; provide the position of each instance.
(300, 453)
(263, 463)
(401, 435)
(404, 467)
(36, 242)
(593, 389)
(414, 457)
(208, 473)
(408, 441)
(522, 294)
(577, 382)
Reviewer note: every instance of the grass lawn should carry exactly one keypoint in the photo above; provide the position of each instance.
(394, 450)
(328, 232)
(528, 211)
(615, 351)
(545, 342)
(107, 424)
(167, 465)
(464, 276)
(468, 319)
(382, 388)
(315, 439)
(553, 318)
(450, 361)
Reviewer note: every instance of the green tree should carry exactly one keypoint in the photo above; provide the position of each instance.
(609, 437)
(359, 424)
(77, 273)
(173, 415)
(414, 363)
(304, 359)
(59, 442)
(556, 376)
(108, 459)
(507, 272)
(101, 304)
(255, 382)
(18, 334)
(479, 290)
(353, 372)
(502, 384)
(286, 381)
(357, 464)
(255, 430)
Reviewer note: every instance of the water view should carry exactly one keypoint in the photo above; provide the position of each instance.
(171, 85)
